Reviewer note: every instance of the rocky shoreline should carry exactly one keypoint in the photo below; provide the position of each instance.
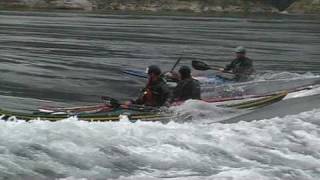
(193, 6)
(305, 7)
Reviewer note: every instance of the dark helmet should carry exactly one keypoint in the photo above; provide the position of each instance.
(154, 69)
(185, 72)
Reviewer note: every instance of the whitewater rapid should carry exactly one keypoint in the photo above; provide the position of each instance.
(277, 148)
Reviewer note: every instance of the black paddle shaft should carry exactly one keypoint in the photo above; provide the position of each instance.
(113, 102)
(199, 65)
(175, 65)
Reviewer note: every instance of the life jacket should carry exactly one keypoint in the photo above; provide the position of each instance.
(187, 89)
(148, 97)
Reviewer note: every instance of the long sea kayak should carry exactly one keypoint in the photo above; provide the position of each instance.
(135, 114)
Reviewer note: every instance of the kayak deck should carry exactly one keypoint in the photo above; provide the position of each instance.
(134, 115)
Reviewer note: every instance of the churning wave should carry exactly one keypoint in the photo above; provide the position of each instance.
(276, 148)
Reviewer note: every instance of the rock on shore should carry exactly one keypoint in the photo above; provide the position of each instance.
(305, 7)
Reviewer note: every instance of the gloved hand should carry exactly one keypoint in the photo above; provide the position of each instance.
(128, 103)
(173, 76)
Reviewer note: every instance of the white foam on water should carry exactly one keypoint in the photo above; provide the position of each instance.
(308, 92)
(283, 75)
(262, 84)
(278, 148)
(201, 112)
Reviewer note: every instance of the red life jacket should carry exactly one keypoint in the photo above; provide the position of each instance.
(148, 97)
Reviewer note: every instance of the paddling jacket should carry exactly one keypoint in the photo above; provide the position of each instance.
(155, 94)
(241, 67)
(187, 89)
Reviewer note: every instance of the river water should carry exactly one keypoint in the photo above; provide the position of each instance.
(70, 58)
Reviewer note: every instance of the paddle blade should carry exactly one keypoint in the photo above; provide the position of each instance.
(113, 102)
(198, 65)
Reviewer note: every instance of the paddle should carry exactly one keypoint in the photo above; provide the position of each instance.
(170, 75)
(199, 65)
(111, 101)
(175, 65)
(116, 104)
(143, 74)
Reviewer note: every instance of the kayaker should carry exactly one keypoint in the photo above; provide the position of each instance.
(187, 87)
(156, 92)
(241, 66)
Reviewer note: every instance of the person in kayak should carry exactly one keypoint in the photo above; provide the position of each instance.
(187, 87)
(156, 92)
(241, 66)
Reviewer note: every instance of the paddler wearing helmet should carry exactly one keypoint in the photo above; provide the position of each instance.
(156, 92)
(241, 66)
(187, 87)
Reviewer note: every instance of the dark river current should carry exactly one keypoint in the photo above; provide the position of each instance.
(68, 57)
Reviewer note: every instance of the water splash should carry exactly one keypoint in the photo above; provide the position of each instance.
(283, 75)
(273, 148)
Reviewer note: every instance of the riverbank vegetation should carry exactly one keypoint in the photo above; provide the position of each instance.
(193, 6)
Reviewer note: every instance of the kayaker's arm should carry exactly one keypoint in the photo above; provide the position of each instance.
(229, 67)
